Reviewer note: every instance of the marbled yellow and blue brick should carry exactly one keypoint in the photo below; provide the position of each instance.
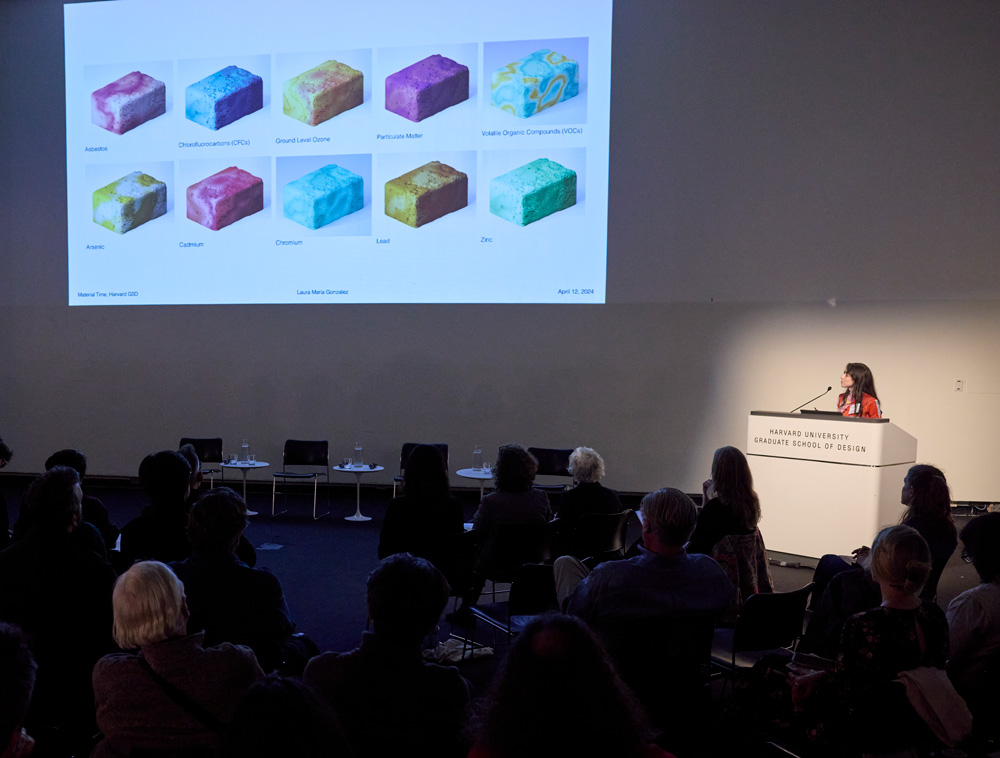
(129, 202)
(532, 191)
(534, 83)
(319, 94)
(323, 196)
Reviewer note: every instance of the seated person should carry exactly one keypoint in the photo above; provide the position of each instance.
(663, 580)
(390, 702)
(58, 591)
(160, 532)
(17, 680)
(94, 511)
(974, 624)
(426, 516)
(244, 551)
(173, 696)
(730, 505)
(229, 600)
(588, 495)
(557, 694)
(514, 501)
(861, 699)
(281, 716)
(928, 500)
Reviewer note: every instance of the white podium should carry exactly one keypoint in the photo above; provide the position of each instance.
(827, 484)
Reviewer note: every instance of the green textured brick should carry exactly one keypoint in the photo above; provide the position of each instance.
(532, 191)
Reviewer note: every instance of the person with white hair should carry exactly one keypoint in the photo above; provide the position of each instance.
(171, 694)
(588, 494)
(663, 580)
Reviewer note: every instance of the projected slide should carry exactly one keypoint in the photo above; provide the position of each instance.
(318, 152)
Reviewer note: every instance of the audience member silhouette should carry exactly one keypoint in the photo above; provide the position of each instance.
(160, 532)
(94, 511)
(282, 716)
(390, 702)
(557, 694)
(512, 502)
(588, 495)
(229, 600)
(925, 492)
(729, 504)
(173, 696)
(974, 626)
(59, 592)
(663, 580)
(867, 704)
(843, 589)
(197, 478)
(426, 518)
(244, 550)
(17, 680)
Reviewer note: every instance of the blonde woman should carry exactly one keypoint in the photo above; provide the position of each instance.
(171, 694)
(903, 633)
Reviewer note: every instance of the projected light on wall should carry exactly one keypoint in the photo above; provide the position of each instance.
(329, 154)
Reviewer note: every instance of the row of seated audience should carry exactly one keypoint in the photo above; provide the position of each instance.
(201, 626)
(667, 577)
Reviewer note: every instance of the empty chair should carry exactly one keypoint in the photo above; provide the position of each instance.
(404, 454)
(552, 462)
(532, 592)
(208, 450)
(510, 546)
(457, 556)
(768, 623)
(303, 453)
(600, 536)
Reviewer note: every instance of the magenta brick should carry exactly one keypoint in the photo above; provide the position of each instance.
(426, 87)
(128, 102)
(224, 198)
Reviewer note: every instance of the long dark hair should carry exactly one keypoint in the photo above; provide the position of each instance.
(425, 476)
(733, 484)
(864, 384)
(557, 693)
(931, 504)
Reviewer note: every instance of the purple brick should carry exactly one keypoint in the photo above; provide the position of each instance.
(426, 87)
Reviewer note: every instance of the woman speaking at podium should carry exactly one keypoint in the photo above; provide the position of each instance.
(859, 398)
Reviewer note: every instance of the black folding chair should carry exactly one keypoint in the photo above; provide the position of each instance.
(303, 453)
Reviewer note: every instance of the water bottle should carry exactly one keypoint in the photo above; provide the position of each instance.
(244, 451)
(359, 455)
(477, 458)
